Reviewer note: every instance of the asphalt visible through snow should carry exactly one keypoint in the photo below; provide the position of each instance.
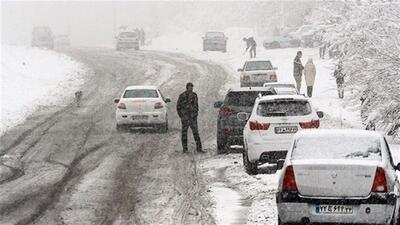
(69, 165)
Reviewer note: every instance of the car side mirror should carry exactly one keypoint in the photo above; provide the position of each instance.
(240, 70)
(320, 114)
(116, 100)
(218, 104)
(167, 100)
(398, 167)
(242, 116)
(280, 164)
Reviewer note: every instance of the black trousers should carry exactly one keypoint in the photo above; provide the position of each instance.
(192, 123)
(309, 91)
(253, 52)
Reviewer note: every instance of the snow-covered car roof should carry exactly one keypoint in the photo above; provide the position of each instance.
(239, 89)
(277, 97)
(355, 133)
(141, 87)
(277, 84)
(257, 59)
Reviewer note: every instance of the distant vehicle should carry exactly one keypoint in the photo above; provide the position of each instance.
(256, 72)
(62, 41)
(42, 37)
(306, 34)
(127, 40)
(214, 41)
(281, 42)
(142, 106)
(229, 127)
(338, 176)
(271, 126)
(283, 88)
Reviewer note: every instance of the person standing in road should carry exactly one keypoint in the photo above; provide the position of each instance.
(251, 44)
(339, 75)
(298, 70)
(309, 75)
(188, 108)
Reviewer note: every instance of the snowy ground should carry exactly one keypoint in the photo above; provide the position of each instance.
(32, 78)
(255, 197)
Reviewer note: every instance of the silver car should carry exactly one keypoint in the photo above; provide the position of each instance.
(338, 176)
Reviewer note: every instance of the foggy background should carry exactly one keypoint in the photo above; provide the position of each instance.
(94, 23)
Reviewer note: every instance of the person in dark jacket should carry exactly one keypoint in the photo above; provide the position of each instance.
(298, 70)
(188, 108)
(251, 44)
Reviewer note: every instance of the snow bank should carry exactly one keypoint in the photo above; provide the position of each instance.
(32, 77)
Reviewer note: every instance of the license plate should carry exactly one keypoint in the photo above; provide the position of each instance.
(139, 117)
(285, 130)
(333, 209)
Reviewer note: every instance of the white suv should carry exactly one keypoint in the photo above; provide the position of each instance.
(338, 177)
(142, 106)
(256, 72)
(272, 124)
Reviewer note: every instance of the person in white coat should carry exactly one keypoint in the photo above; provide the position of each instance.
(309, 75)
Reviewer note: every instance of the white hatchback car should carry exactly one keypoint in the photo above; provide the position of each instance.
(338, 176)
(142, 106)
(256, 72)
(273, 122)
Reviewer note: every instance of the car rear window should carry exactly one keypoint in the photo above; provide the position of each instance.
(141, 93)
(243, 98)
(337, 147)
(258, 65)
(128, 35)
(215, 35)
(277, 108)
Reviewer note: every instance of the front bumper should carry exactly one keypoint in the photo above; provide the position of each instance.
(376, 209)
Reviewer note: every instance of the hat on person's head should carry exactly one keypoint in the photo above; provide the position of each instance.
(189, 84)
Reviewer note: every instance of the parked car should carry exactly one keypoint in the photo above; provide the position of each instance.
(281, 42)
(142, 106)
(127, 40)
(256, 72)
(338, 177)
(270, 128)
(42, 37)
(283, 88)
(214, 41)
(62, 41)
(229, 127)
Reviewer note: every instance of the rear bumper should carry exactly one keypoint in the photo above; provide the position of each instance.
(233, 135)
(293, 209)
(215, 46)
(153, 118)
(267, 151)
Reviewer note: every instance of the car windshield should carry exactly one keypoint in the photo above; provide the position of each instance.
(243, 98)
(258, 65)
(127, 35)
(283, 107)
(215, 35)
(338, 146)
(141, 93)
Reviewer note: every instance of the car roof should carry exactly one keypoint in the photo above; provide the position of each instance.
(276, 97)
(257, 59)
(355, 133)
(133, 87)
(279, 83)
(245, 89)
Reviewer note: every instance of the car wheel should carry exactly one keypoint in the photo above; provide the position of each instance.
(251, 168)
(221, 145)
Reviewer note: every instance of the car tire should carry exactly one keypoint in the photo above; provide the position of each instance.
(251, 168)
(222, 147)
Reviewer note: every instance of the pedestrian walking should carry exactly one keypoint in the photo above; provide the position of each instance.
(298, 70)
(251, 44)
(309, 75)
(339, 75)
(188, 108)
(322, 50)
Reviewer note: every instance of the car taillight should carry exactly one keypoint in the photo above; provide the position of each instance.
(379, 184)
(289, 181)
(272, 77)
(225, 111)
(158, 105)
(246, 77)
(121, 106)
(311, 124)
(254, 125)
